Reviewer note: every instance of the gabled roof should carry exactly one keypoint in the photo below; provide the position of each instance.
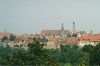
(5, 34)
(72, 40)
(90, 37)
(54, 32)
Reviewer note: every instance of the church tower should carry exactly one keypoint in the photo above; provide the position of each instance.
(91, 32)
(62, 27)
(5, 33)
(62, 30)
(5, 30)
(74, 31)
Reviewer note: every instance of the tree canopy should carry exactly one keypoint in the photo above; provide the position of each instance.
(4, 38)
(37, 55)
(12, 37)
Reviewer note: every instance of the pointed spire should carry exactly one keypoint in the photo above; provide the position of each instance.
(91, 31)
(74, 31)
(5, 30)
(62, 27)
(73, 22)
(5, 33)
(62, 24)
(62, 30)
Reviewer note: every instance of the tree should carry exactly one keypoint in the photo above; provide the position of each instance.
(40, 54)
(4, 38)
(69, 35)
(74, 35)
(44, 39)
(95, 55)
(54, 54)
(84, 60)
(87, 48)
(4, 54)
(70, 54)
(36, 56)
(12, 37)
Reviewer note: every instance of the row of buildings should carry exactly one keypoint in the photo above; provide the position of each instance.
(55, 38)
(62, 36)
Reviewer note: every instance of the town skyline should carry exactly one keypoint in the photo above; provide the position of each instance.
(50, 32)
(33, 16)
(50, 28)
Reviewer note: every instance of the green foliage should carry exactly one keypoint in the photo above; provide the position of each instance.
(4, 54)
(70, 54)
(67, 64)
(43, 39)
(12, 37)
(37, 52)
(87, 48)
(74, 35)
(4, 38)
(84, 60)
(36, 55)
(95, 55)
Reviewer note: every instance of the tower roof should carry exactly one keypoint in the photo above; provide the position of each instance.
(62, 27)
(74, 30)
(73, 22)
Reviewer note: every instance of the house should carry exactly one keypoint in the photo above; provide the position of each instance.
(4, 34)
(53, 43)
(91, 39)
(72, 40)
(54, 32)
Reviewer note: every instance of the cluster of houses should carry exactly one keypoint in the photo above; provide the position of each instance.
(91, 39)
(54, 41)
(62, 36)
(55, 38)
(20, 40)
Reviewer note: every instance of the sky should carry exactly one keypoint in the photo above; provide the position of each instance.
(32, 16)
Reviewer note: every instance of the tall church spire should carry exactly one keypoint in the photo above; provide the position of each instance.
(91, 32)
(5, 33)
(74, 31)
(5, 30)
(62, 27)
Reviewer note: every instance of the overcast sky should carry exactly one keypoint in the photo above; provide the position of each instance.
(32, 16)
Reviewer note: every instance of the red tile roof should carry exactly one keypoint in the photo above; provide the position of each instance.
(72, 40)
(4, 34)
(54, 32)
(93, 37)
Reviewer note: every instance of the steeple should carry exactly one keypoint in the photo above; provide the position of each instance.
(74, 31)
(91, 32)
(62, 27)
(5, 32)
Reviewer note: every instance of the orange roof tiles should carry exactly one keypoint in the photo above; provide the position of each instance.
(4, 34)
(54, 32)
(72, 40)
(93, 37)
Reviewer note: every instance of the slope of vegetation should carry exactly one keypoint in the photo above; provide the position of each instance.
(38, 56)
